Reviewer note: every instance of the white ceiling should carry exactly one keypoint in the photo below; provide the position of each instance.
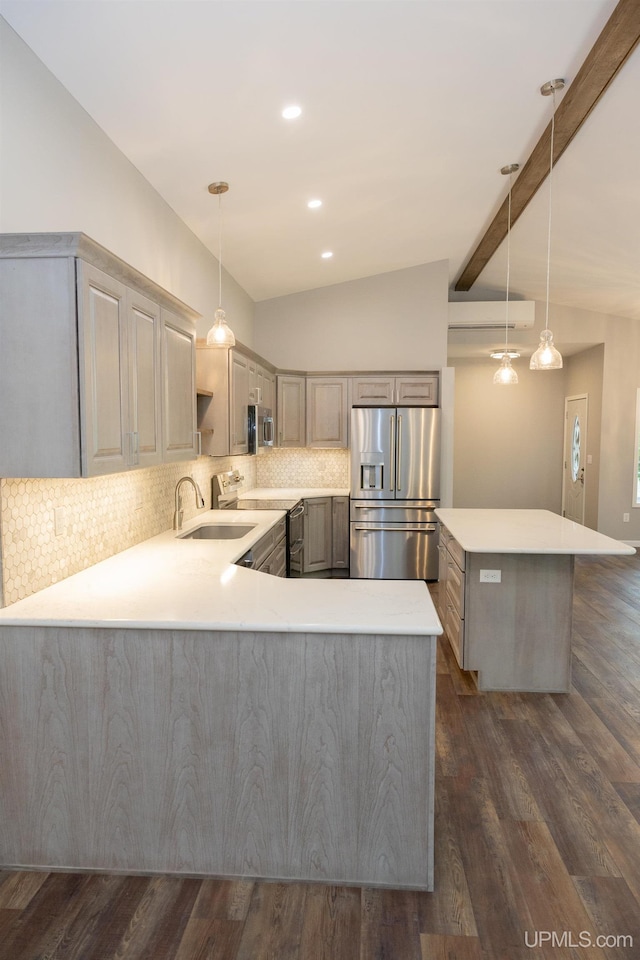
(409, 111)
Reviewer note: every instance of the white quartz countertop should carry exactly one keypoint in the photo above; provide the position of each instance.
(172, 583)
(525, 531)
(293, 493)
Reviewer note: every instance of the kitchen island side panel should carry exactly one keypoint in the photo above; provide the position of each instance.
(289, 755)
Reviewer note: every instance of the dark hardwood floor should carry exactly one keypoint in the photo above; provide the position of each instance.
(537, 839)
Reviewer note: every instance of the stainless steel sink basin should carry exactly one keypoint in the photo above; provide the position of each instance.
(218, 531)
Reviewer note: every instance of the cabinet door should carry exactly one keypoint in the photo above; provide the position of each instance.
(317, 534)
(291, 411)
(417, 391)
(179, 389)
(145, 383)
(104, 373)
(373, 391)
(327, 411)
(269, 390)
(340, 533)
(239, 386)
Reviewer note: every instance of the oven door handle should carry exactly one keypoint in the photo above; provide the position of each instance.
(398, 528)
(296, 512)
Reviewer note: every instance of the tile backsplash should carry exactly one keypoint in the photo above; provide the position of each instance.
(295, 467)
(50, 529)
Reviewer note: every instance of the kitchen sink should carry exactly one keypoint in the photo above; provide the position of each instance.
(218, 531)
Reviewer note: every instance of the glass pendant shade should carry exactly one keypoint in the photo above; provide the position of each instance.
(220, 334)
(546, 357)
(505, 375)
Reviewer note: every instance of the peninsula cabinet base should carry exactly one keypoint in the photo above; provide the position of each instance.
(285, 756)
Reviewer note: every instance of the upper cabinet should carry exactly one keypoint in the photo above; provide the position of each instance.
(178, 355)
(234, 378)
(386, 389)
(97, 363)
(291, 406)
(328, 405)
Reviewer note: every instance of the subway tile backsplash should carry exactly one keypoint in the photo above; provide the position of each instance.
(51, 529)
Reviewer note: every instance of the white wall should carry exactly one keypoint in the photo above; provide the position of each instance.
(507, 440)
(392, 321)
(60, 172)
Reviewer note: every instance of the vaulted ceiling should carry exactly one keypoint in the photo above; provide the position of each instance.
(409, 110)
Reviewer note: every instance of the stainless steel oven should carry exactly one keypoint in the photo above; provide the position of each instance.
(226, 489)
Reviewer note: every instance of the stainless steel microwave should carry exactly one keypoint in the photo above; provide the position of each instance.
(261, 428)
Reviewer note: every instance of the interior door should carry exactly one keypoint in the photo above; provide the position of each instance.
(575, 442)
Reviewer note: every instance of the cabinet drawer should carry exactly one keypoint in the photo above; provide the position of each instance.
(456, 552)
(455, 586)
(276, 562)
(454, 628)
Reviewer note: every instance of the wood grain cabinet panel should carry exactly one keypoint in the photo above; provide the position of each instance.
(340, 533)
(328, 405)
(515, 634)
(291, 411)
(290, 756)
(87, 385)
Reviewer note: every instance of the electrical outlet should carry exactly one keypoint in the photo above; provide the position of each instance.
(625, 518)
(491, 576)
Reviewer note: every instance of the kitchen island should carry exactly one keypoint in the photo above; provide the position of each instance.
(505, 593)
(169, 711)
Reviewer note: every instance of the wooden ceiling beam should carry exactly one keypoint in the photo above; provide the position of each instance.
(613, 47)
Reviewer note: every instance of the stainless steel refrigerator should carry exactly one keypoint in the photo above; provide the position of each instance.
(395, 489)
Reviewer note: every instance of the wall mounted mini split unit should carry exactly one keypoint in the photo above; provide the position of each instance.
(490, 315)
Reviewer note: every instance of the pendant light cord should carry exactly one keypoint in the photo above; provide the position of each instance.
(219, 251)
(553, 126)
(506, 322)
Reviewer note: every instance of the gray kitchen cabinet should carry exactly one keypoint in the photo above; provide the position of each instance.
(261, 385)
(451, 594)
(318, 534)
(239, 380)
(229, 379)
(340, 533)
(328, 405)
(269, 554)
(84, 381)
(224, 373)
(291, 410)
(413, 390)
(178, 353)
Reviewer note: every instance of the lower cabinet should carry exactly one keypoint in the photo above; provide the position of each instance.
(326, 534)
(451, 593)
(269, 554)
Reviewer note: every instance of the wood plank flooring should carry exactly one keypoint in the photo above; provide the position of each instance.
(537, 839)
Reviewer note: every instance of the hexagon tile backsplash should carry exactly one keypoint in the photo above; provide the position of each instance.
(50, 529)
(53, 528)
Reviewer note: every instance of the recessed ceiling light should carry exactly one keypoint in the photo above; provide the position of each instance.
(313, 204)
(290, 113)
(327, 254)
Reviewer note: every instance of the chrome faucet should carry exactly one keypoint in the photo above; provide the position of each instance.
(177, 516)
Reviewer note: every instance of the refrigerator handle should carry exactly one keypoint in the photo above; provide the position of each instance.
(392, 452)
(399, 458)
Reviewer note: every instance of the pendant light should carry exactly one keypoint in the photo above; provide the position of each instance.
(547, 356)
(220, 334)
(505, 375)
